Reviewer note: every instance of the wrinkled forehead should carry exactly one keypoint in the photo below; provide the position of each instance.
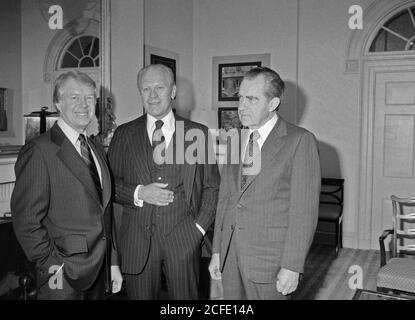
(156, 74)
(253, 87)
(77, 86)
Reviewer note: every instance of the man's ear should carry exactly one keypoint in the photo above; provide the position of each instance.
(58, 106)
(274, 104)
(173, 92)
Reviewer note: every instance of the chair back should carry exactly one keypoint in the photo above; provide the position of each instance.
(403, 240)
(332, 191)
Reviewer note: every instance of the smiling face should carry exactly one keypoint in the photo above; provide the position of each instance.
(255, 109)
(76, 104)
(157, 92)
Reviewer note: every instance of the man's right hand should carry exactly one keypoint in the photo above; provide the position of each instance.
(155, 193)
(214, 271)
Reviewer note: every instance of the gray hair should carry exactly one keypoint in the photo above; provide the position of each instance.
(162, 67)
(275, 86)
(75, 75)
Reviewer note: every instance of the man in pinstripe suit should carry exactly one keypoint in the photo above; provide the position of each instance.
(266, 217)
(167, 207)
(61, 205)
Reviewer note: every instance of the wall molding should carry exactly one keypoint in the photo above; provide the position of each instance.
(377, 13)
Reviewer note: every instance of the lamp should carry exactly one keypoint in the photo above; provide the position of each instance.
(38, 122)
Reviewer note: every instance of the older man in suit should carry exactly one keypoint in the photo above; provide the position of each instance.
(61, 205)
(268, 205)
(168, 205)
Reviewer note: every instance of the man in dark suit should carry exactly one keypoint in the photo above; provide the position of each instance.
(268, 204)
(168, 204)
(61, 205)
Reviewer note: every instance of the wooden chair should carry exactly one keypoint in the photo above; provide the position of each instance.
(397, 274)
(330, 218)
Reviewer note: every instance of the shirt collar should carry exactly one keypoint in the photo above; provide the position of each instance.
(168, 120)
(70, 132)
(266, 128)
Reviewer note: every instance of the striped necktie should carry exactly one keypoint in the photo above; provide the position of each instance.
(252, 159)
(86, 155)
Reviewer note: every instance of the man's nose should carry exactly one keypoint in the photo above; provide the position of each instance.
(242, 103)
(153, 93)
(84, 102)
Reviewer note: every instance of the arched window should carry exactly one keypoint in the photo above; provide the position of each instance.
(82, 52)
(397, 34)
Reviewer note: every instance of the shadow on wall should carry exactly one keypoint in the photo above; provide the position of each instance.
(295, 97)
(329, 161)
(185, 97)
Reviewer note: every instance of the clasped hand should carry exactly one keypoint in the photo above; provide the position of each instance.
(155, 193)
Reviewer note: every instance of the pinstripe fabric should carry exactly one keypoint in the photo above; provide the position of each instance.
(57, 214)
(274, 216)
(195, 202)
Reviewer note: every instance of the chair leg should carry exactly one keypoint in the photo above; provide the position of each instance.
(337, 238)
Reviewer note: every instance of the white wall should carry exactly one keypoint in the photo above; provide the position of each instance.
(169, 26)
(239, 27)
(127, 38)
(10, 69)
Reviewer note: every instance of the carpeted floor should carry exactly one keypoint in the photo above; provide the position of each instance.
(327, 277)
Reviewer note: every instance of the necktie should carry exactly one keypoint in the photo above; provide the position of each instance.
(89, 161)
(157, 139)
(252, 159)
(158, 136)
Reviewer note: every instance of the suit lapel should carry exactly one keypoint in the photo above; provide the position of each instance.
(138, 143)
(105, 174)
(72, 160)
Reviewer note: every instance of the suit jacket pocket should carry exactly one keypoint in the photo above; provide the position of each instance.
(71, 244)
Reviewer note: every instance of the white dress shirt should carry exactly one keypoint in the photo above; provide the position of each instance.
(263, 131)
(73, 136)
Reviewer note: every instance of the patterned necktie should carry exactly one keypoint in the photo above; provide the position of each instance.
(89, 161)
(158, 137)
(252, 159)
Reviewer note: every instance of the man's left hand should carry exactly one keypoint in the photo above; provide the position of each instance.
(116, 279)
(287, 281)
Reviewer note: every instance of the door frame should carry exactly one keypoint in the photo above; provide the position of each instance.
(370, 68)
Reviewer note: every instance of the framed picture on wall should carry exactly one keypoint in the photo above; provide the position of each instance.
(227, 74)
(170, 59)
(230, 76)
(228, 118)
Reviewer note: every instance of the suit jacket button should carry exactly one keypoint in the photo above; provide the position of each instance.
(239, 206)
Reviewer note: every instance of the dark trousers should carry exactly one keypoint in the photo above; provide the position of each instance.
(236, 286)
(95, 292)
(177, 255)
